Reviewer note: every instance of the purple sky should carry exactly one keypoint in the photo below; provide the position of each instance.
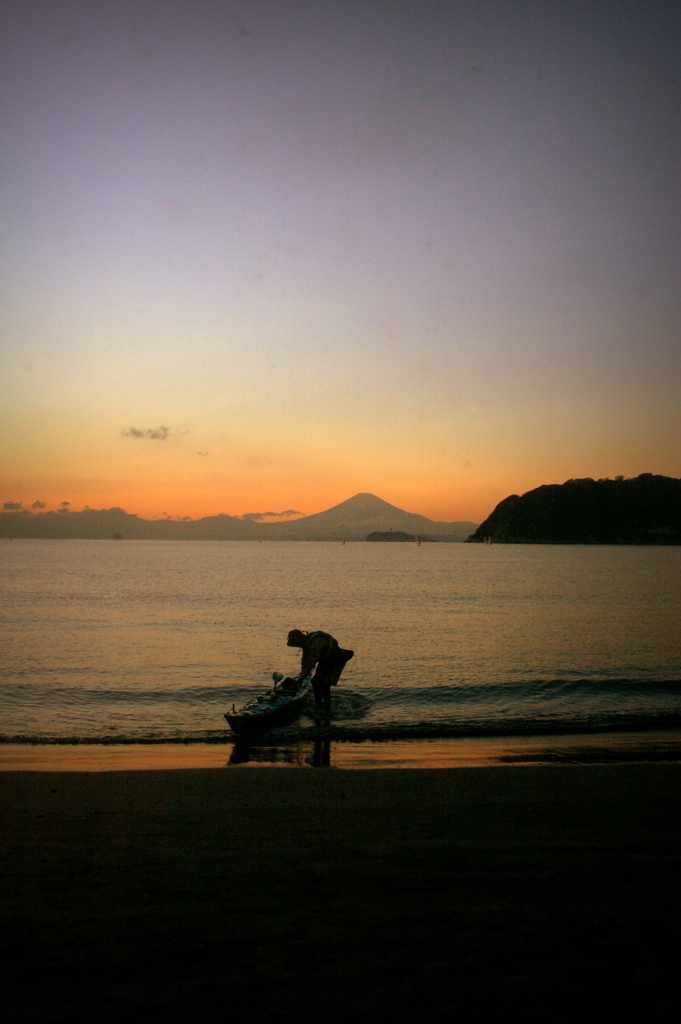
(429, 250)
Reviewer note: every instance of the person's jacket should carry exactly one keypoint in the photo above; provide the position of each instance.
(318, 645)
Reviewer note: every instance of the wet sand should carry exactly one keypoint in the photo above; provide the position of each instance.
(545, 893)
(451, 752)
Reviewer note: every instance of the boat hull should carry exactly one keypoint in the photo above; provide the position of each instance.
(269, 708)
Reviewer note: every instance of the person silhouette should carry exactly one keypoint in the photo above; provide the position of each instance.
(321, 650)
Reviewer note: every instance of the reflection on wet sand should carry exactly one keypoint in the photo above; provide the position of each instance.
(322, 752)
(603, 748)
(315, 753)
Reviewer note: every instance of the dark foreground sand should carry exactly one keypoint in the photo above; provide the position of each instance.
(533, 893)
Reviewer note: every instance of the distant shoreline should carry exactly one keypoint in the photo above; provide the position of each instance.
(352, 520)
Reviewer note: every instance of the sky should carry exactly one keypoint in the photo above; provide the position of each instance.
(266, 255)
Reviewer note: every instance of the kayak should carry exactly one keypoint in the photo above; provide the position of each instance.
(277, 703)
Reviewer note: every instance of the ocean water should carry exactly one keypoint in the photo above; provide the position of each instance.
(152, 641)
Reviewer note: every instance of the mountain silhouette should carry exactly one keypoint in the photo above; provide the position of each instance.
(353, 519)
(363, 514)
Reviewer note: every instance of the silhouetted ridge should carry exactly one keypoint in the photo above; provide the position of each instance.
(363, 514)
(352, 519)
(642, 510)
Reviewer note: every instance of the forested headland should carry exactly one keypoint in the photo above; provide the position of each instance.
(643, 510)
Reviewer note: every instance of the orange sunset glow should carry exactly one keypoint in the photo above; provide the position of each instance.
(235, 282)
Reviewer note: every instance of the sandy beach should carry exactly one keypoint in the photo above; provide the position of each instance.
(535, 891)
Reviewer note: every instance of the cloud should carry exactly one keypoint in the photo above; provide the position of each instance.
(13, 506)
(39, 504)
(157, 434)
(255, 517)
(203, 453)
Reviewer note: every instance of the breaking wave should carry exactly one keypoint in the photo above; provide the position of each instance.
(194, 714)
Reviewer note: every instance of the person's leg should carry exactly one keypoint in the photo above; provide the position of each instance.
(328, 673)
(321, 687)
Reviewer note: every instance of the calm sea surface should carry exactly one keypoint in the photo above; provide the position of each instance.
(152, 640)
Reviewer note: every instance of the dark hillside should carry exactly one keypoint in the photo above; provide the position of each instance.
(115, 523)
(643, 510)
